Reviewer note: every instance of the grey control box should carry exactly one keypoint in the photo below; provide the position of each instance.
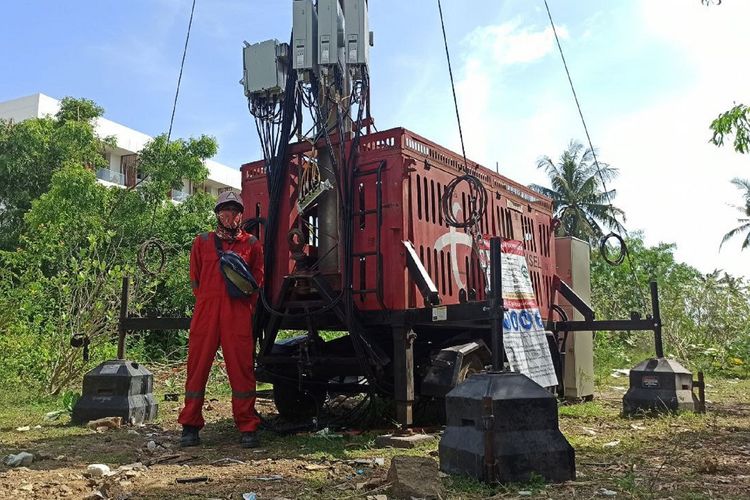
(304, 35)
(265, 67)
(358, 37)
(330, 33)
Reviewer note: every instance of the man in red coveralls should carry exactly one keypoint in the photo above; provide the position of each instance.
(219, 319)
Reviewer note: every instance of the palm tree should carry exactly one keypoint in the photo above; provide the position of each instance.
(581, 203)
(744, 227)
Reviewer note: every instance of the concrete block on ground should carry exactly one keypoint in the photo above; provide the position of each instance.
(407, 441)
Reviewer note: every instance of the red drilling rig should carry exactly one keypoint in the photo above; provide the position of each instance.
(417, 287)
(378, 236)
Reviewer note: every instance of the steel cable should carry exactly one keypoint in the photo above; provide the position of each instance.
(182, 65)
(477, 191)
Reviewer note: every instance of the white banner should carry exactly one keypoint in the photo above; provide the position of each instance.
(524, 338)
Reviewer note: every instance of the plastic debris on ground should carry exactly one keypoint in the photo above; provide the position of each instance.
(53, 415)
(19, 460)
(97, 470)
(327, 434)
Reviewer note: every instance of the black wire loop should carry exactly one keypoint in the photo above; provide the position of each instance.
(604, 249)
(146, 248)
(477, 201)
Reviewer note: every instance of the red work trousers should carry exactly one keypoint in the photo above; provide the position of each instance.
(219, 320)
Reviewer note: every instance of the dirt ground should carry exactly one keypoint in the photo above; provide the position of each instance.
(686, 456)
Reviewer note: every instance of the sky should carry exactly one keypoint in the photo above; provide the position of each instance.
(650, 76)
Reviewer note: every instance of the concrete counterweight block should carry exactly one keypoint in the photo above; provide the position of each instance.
(117, 388)
(659, 385)
(503, 427)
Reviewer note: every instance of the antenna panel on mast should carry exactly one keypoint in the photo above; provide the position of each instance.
(304, 35)
(330, 33)
(358, 37)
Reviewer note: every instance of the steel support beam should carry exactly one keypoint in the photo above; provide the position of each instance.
(403, 374)
(121, 328)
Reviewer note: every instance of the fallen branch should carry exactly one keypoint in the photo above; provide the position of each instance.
(198, 479)
(165, 458)
(227, 461)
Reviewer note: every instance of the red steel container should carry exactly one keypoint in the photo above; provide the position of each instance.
(398, 184)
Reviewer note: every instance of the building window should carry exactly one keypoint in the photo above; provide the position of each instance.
(181, 195)
(108, 175)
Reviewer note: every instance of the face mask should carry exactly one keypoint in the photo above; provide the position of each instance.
(228, 226)
(230, 219)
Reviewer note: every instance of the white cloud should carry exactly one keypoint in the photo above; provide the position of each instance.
(473, 93)
(147, 56)
(511, 43)
(491, 53)
(673, 183)
(713, 38)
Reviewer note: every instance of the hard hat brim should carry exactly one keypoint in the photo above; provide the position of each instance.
(220, 206)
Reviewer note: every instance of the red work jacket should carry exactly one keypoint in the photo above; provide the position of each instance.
(205, 275)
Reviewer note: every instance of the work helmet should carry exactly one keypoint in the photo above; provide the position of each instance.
(229, 197)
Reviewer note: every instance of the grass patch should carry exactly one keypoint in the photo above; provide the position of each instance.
(588, 409)
(463, 486)
(27, 408)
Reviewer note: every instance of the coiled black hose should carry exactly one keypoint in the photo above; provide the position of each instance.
(477, 201)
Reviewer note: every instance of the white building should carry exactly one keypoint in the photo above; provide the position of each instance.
(121, 171)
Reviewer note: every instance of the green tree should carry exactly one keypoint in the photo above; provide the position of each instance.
(78, 110)
(580, 201)
(735, 121)
(31, 152)
(164, 164)
(77, 241)
(743, 230)
(705, 317)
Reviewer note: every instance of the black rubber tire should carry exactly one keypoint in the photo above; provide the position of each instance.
(293, 404)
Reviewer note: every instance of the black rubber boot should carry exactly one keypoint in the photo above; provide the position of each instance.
(250, 440)
(190, 436)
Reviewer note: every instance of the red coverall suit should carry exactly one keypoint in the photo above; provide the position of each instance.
(219, 319)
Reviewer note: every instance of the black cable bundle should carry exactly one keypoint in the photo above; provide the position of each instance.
(276, 173)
